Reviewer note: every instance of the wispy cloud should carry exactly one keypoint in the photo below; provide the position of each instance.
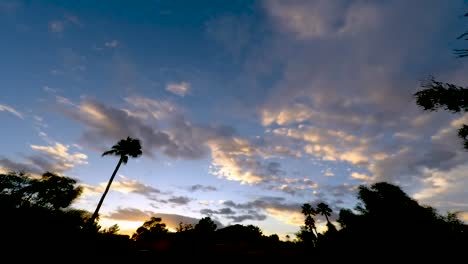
(11, 110)
(180, 89)
(179, 200)
(56, 26)
(361, 176)
(59, 25)
(126, 185)
(203, 188)
(112, 44)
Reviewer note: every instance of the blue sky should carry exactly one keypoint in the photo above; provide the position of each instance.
(245, 109)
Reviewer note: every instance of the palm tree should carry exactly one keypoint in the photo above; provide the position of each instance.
(323, 209)
(309, 211)
(124, 148)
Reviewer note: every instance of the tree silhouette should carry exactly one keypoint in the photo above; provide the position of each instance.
(50, 191)
(206, 225)
(124, 148)
(152, 229)
(184, 227)
(438, 95)
(37, 210)
(306, 233)
(308, 211)
(325, 210)
(112, 230)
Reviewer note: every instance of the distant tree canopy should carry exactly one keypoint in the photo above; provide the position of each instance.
(36, 210)
(151, 230)
(387, 217)
(240, 233)
(50, 191)
(206, 225)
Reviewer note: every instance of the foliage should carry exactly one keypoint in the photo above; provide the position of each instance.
(50, 191)
(125, 148)
(438, 95)
(184, 227)
(111, 230)
(388, 218)
(384, 220)
(151, 230)
(324, 209)
(206, 225)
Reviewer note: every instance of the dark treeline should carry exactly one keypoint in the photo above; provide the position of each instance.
(37, 220)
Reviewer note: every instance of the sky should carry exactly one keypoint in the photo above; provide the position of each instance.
(245, 109)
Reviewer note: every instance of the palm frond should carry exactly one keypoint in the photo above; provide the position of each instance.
(109, 152)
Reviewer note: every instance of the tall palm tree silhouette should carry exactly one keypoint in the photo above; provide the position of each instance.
(124, 148)
(323, 209)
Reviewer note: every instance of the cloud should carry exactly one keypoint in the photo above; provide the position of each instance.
(236, 217)
(203, 188)
(328, 173)
(222, 211)
(11, 110)
(171, 220)
(252, 216)
(180, 89)
(56, 26)
(360, 176)
(112, 44)
(292, 217)
(59, 25)
(57, 157)
(444, 188)
(328, 144)
(104, 123)
(130, 214)
(162, 128)
(125, 185)
(308, 19)
(179, 200)
(7, 165)
(335, 106)
(237, 159)
(260, 208)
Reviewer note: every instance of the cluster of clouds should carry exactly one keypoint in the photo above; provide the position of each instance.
(155, 196)
(55, 158)
(344, 96)
(351, 68)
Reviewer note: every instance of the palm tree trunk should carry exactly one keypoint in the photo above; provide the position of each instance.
(326, 217)
(93, 218)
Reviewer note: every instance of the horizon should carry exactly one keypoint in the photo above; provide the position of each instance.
(245, 109)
